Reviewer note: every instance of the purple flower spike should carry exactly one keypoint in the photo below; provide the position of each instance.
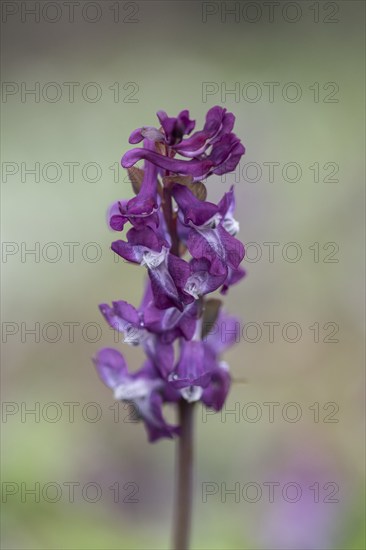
(166, 220)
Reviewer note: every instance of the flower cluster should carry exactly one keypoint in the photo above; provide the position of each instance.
(189, 249)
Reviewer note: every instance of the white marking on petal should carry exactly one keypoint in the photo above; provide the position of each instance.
(132, 389)
(152, 133)
(153, 259)
(196, 284)
(192, 393)
(134, 336)
(231, 225)
(213, 240)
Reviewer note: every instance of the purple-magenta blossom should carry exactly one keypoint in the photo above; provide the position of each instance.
(168, 221)
(124, 318)
(208, 237)
(195, 167)
(213, 150)
(233, 277)
(168, 273)
(192, 372)
(226, 208)
(173, 129)
(194, 212)
(142, 209)
(143, 389)
(176, 128)
(200, 373)
(171, 323)
(201, 281)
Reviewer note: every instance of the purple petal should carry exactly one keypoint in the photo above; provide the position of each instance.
(111, 366)
(136, 136)
(193, 146)
(223, 334)
(115, 219)
(232, 160)
(192, 369)
(142, 245)
(113, 319)
(201, 281)
(222, 148)
(227, 124)
(234, 276)
(175, 128)
(206, 245)
(196, 168)
(194, 211)
(127, 251)
(227, 203)
(146, 237)
(214, 119)
(161, 354)
(127, 312)
(150, 410)
(171, 323)
(165, 292)
(214, 395)
(233, 248)
(180, 271)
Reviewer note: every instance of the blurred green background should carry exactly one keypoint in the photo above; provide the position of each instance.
(144, 56)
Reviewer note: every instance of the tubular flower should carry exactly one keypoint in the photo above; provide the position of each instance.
(189, 247)
(213, 150)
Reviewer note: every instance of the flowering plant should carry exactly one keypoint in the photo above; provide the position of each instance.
(170, 219)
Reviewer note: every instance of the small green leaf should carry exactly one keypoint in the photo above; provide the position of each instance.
(136, 175)
(210, 314)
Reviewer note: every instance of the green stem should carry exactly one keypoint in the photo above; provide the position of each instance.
(183, 504)
(170, 221)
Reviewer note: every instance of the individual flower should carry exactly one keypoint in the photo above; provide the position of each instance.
(141, 210)
(144, 389)
(201, 282)
(152, 328)
(208, 239)
(213, 150)
(168, 273)
(200, 374)
(124, 318)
